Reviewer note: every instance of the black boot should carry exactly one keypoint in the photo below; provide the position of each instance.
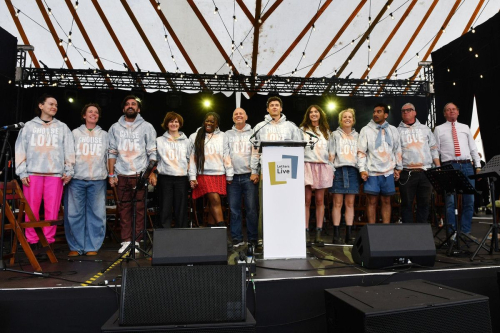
(336, 236)
(317, 240)
(348, 238)
(308, 238)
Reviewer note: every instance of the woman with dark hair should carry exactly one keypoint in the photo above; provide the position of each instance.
(85, 196)
(210, 165)
(45, 156)
(173, 152)
(318, 171)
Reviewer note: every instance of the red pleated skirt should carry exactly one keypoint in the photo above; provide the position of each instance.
(209, 184)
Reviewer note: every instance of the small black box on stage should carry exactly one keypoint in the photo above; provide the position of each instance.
(411, 307)
(385, 245)
(180, 246)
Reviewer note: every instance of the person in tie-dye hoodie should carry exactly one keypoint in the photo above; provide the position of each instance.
(210, 166)
(173, 152)
(419, 151)
(343, 154)
(45, 156)
(85, 196)
(132, 147)
(318, 171)
(379, 162)
(242, 188)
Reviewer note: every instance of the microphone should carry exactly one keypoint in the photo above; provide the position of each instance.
(311, 134)
(12, 127)
(144, 177)
(257, 131)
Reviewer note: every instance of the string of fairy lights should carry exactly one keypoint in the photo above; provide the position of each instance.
(67, 42)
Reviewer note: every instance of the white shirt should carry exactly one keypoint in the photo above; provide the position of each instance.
(444, 140)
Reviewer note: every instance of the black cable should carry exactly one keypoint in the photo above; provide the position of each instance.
(293, 322)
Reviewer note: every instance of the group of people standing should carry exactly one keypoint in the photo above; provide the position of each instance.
(213, 163)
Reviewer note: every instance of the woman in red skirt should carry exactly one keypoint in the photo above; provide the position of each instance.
(210, 166)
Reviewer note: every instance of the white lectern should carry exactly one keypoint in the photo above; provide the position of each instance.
(282, 164)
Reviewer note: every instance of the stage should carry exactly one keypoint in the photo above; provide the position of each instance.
(283, 296)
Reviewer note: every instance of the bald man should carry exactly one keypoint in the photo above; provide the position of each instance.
(242, 187)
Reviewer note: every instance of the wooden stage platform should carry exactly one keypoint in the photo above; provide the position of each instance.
(284, 295)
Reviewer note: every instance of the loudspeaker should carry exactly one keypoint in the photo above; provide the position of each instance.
(410, 306)
(182, 295)
(178, 246)
(247, 326)
(384, 245)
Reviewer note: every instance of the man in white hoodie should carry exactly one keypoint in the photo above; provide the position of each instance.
(240, 150)
(132, 145)
(379, 162)
(275, 127)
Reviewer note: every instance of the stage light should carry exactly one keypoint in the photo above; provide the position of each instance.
(207, 103)
(331, 106)
(71, 100)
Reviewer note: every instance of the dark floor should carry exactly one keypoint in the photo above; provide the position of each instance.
(329, 260)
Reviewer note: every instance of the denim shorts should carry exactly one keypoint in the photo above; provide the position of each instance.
(383, 185)
(346, 181)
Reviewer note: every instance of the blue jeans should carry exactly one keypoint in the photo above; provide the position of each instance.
(467, 201)
(242, 186)
(85, 214)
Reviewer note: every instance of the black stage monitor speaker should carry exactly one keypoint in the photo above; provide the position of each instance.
(179, 246)
(411, 307)
(183, 295)
(385, 245)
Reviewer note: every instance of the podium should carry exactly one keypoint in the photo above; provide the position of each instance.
(282, 164)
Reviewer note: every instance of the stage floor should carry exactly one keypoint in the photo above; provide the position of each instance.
(330, 260)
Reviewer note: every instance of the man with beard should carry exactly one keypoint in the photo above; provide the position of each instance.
(379, 161)
(132, 145)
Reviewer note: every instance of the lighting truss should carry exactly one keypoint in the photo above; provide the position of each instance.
(43, 77)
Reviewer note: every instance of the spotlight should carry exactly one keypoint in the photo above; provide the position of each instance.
(331, 106)
(207, 103)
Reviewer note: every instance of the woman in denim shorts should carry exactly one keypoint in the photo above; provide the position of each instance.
(343, 154)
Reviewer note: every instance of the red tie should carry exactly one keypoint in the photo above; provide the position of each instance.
(455, 139)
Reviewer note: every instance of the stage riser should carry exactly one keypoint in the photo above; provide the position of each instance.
(297, 301)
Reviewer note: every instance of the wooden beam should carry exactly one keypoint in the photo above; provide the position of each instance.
(245, 10)
(87, 39)
(56, 38)
(473, 17)
(111, 32)
(436, 39)
(269, 11)
(388, 40)
(298, 39)
(410, 42)
(361, 41)
(256, 33)
(332, 42)
(177, 41)
(215, 40)
(20, 29)
(146, 41)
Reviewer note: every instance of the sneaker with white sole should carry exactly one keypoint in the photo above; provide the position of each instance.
(238, 243)
(125, 245)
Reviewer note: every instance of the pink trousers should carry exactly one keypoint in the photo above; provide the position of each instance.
(49, 189)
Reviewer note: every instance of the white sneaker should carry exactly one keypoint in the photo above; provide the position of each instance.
(124, 246)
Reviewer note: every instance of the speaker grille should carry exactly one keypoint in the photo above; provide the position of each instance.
(183, 294)
(472, 317)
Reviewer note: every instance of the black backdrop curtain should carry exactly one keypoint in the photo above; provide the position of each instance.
(457, 74)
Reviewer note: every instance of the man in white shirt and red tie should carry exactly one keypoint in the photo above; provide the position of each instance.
(457, 147)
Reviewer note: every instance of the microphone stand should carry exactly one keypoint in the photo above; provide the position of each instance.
(3, 265)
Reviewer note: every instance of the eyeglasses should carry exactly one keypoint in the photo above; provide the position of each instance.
(407, 110)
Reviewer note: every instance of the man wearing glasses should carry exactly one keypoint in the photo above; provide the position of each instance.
(419, 151)
(457, 147)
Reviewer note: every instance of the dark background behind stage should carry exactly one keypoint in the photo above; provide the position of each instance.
(465, 69)
(190, 106)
